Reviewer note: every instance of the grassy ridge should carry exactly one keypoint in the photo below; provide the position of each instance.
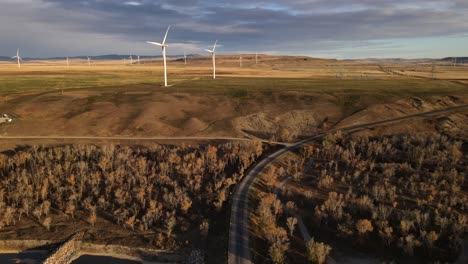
(349, 94)
(393, 86)
(53, 80)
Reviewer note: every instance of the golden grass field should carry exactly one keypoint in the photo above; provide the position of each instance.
(299, 94)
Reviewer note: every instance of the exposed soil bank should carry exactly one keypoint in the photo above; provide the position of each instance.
(33, 251)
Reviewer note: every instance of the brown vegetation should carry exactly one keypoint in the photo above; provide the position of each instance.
(403, 192)
(159, 190)
(268, 211)
(317, 252)
(274, 217)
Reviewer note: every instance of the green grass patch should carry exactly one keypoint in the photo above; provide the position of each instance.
(49, 81)
(397, 87)
(349, 94)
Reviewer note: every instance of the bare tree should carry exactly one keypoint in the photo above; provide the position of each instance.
(291, 222)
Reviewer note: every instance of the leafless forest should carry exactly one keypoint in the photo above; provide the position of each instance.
(166, 189)
(397, 196)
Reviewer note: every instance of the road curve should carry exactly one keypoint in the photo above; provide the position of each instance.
(238, 248)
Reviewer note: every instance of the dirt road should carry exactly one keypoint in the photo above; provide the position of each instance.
(130, 138)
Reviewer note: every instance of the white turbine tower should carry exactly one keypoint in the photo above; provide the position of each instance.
(68, 62)
(89, 61)
(163, 46)
(213, 54)
(138, 59)
(185, 58)
(18, 58)
(131, 59)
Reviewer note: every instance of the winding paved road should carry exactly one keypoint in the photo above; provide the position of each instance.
(238, 248)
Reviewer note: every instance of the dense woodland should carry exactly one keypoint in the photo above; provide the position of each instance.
(403, 196)
(167, 189)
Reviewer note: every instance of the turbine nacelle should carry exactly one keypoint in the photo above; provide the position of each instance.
(17, 55)
(163, 44)
(157, 44)
(18, 58)
(214, 48)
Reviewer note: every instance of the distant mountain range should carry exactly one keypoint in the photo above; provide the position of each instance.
(420, 60)
(99, 57)
(457, 59)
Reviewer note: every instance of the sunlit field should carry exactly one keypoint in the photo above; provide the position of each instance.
(42, 76)
(109, 98)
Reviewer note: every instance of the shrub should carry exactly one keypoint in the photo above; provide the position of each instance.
(317, 252)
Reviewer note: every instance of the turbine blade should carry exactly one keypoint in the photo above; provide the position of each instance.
(154, 43)
(209, 51)
(214, 47)
(165, 36)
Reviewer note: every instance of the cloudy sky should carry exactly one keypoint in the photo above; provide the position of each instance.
(320, 28)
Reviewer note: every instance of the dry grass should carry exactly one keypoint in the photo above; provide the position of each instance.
(110, 98)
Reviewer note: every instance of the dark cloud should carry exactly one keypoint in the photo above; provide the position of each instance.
(59, 27)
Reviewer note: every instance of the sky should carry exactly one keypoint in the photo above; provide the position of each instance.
(343, 29)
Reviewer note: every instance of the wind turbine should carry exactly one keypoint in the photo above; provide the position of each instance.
(131, 59)
(185, 58)
(19, 59)
(68, 63)
(138, 57)
(213, 54)
(89, 61)
(163, 46)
